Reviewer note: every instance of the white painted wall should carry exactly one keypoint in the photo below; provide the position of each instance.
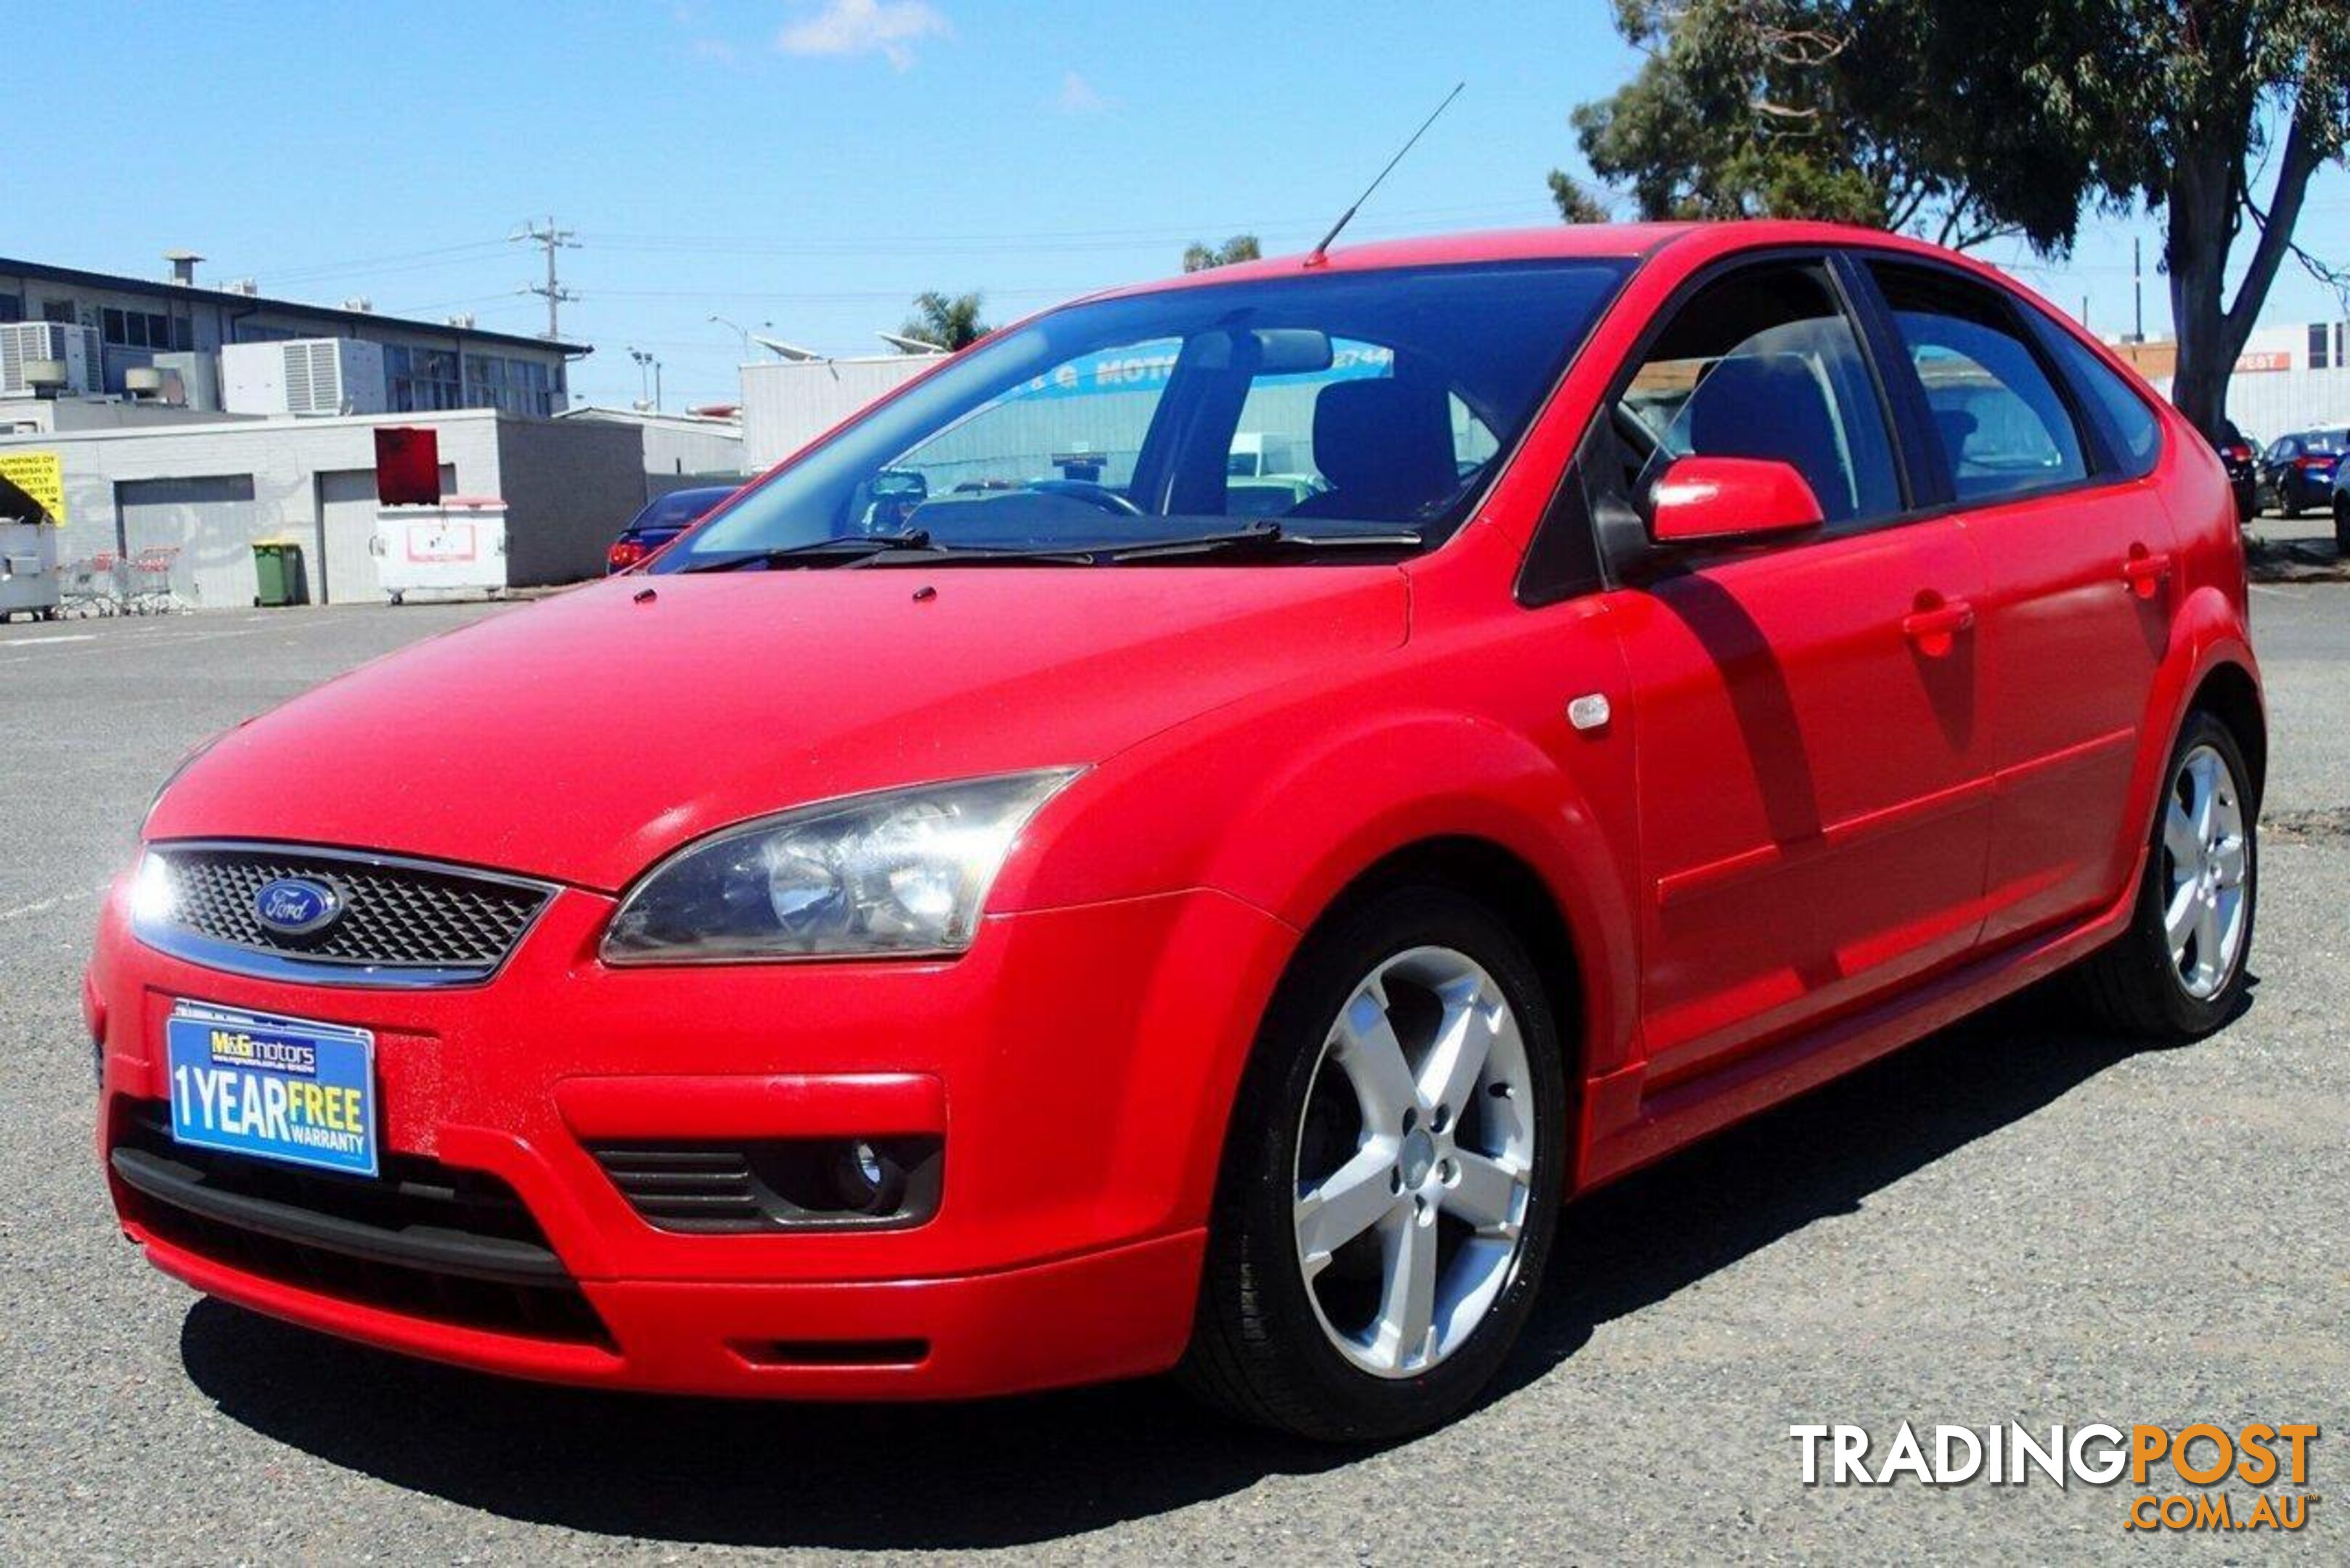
(788, 403)
(281, 457)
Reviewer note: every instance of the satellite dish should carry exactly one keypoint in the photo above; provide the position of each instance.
(908, 345)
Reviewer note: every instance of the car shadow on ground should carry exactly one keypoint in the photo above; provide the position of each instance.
(1020, 1471)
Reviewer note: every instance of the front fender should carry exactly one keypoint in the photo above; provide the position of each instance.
(1257, 806)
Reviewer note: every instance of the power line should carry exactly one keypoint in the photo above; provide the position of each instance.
(437, 255)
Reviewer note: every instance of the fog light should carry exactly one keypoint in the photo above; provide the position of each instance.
(868, 1164)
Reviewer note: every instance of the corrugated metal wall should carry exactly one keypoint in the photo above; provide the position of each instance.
(2269, 403)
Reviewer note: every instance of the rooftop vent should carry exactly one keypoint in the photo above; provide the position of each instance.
(464, 321)
(184, 265)
(359, 302)
(246, 287)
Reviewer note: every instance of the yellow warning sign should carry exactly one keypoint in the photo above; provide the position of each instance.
(42, 476)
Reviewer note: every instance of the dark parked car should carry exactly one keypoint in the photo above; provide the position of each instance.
(2297, 470)
(2239, 455)
(663, 519)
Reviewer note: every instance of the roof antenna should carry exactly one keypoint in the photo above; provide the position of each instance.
(1315, 257)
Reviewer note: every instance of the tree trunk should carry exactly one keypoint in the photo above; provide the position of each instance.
(2204, 199)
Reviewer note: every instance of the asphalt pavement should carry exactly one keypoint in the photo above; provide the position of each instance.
(2016, 1220)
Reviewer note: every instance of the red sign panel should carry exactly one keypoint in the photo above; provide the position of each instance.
(406, 466)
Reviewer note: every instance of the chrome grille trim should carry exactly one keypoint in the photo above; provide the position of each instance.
(409, 922)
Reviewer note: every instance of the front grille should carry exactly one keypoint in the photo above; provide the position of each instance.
(425, 1240)
(397, 914)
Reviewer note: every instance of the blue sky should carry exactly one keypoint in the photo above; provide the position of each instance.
(814, 163)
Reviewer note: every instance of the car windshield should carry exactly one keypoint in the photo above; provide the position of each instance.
(1366, 407)
(679, 507)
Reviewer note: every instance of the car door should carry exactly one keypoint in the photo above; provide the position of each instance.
(2075, 615)
(2275, 466)
(1813, 788)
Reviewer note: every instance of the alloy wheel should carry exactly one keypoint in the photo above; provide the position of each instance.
(1415, 1154)
(2205, 862)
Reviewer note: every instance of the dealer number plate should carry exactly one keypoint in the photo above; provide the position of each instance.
(276, 1088)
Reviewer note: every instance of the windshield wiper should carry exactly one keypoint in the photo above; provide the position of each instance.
(1270, 537)
(938, 554)
(846, 548)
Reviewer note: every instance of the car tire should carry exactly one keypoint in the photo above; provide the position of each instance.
(2342, 527)
(1284, 1343)
(2144, 984)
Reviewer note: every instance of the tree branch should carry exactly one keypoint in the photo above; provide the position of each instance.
(2303, 148)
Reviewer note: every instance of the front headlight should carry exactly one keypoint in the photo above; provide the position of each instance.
(903, 872)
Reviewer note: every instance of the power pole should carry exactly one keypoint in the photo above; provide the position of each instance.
(550, 239)
(2138, 289)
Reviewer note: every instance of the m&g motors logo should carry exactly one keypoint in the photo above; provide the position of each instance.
(2176, 1473)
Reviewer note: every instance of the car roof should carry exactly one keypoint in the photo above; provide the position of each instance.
(1558, 242)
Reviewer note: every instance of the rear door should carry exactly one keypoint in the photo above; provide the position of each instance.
(2054, 485)
(1813, 788)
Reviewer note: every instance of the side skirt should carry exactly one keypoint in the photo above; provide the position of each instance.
(1625, 1128)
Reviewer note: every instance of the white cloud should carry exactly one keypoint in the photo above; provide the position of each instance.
(889, 28)
(1078, 96)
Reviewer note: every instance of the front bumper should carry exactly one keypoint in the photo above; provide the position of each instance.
(1078, 1065)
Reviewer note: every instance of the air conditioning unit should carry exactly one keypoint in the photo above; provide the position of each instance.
(304, 375)
(30, 349)
(199, 375)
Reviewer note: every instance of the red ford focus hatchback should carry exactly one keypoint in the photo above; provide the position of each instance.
(1183, 836)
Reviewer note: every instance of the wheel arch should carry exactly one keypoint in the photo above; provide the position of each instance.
(1507, 884)
(2229, 694)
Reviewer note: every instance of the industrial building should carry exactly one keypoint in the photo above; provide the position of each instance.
(130, 336)
(212, 489)
(787, 403)
(204, 420)
(2292, 377)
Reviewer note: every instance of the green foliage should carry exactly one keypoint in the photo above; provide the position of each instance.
(1963, 119)
(1575, 204)
(950, 322)
(1198, 257)
(1777, 109)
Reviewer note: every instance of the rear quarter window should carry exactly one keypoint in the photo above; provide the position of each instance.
(2131, 427)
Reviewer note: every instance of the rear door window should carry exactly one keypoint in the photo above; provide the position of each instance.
(2000, 425)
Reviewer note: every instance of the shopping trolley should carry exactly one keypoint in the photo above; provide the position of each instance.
(92, 586)
(147, 581)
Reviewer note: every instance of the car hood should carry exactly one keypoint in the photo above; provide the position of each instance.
(583, 737)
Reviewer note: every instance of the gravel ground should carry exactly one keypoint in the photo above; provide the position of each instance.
(2014, 1220)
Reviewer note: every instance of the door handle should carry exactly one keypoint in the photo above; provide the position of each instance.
(2146, 570)
(1933, 627)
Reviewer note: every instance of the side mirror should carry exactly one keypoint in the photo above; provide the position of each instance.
(1703, 498)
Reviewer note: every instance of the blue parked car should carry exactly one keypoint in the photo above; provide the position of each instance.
(663, 519)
